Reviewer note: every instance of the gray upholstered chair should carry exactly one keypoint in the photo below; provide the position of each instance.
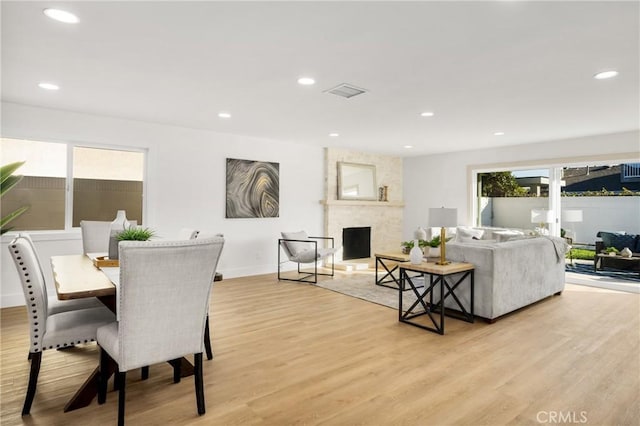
(55, 306)
(187, 234)
(95, 236)
(49, 331)
(302, 249)
(162, 302)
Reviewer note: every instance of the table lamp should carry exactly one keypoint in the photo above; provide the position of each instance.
(541, 216)
(572, 216)
(443, 218)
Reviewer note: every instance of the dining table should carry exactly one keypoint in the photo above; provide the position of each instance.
(76, 276)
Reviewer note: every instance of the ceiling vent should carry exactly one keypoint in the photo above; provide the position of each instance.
(346, 90)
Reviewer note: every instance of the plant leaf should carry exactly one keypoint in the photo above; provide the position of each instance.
(8, 169)
(9, 183)
(8, 218)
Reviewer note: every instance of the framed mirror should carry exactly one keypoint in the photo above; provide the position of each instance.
(357, 181)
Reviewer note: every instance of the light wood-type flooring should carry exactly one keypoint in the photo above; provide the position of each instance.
(296, 354)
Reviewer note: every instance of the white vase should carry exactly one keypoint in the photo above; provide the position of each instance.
(415, 255)
(434, 252)
(420, 234)
(119, 224)
(626, 252)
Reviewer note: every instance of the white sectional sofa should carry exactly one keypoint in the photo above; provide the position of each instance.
(510, 274)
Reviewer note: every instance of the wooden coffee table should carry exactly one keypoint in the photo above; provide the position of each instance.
(602, 261)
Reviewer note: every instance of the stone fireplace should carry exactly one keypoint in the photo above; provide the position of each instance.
(383, 217)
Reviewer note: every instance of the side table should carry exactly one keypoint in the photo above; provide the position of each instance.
(384, 260)
(445, 277)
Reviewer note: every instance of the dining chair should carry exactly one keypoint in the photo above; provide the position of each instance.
(187, 234)
(162, 302)
(55, 306)
(49, 331)
(303, 249)
(95, 236)
(192, 234)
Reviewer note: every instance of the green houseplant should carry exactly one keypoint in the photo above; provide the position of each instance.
(132, 233)
(7, 181)
(135, 234)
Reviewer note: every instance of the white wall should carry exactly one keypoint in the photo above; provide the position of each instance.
(185, 186)
(443, 179)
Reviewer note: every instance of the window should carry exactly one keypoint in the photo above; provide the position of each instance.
(101, 182)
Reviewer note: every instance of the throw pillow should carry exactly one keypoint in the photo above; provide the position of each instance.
(465, 234)
(618, 240)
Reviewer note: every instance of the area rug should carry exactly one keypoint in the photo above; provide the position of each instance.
(362, 286)
(587, 269)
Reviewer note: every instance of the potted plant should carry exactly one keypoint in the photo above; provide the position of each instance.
(132, 233)
(434, 246)
(408, 245)
(611, 251)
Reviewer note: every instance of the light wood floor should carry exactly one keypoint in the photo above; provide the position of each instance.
(295, 354)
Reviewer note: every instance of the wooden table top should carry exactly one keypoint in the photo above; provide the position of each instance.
(395, 255)
(433, 268)
(76, 277)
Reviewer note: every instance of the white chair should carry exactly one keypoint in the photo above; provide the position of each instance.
(163, 299)
(95, 236)
(49, 331)
(302, 249)
(55, 306)
(187, 234)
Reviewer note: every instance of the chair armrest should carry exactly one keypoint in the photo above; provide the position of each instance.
(325, 238)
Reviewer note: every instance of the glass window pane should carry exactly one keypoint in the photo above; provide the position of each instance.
(43, 185)
(105, 181)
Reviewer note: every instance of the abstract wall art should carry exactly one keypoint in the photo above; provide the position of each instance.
(253, 189)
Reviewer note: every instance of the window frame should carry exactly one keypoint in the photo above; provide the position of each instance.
(68, 205)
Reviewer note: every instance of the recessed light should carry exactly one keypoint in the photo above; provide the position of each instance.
(498, 134)
(48, 86)
(605, 74)
(61, 15)
(334, 135)
(306, 81)
(408, 146)
(224, 115)
(427, 114)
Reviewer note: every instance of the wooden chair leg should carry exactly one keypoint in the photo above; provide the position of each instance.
(121, 396)
(104, 376)
(207, 340)
(36, 358)
(197, 372)
(144, 373)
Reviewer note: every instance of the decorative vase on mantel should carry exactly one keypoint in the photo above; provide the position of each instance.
(119, 224)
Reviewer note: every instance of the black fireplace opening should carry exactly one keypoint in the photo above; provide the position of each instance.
(356, 243)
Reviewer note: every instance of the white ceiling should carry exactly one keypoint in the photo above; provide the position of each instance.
(524, 68)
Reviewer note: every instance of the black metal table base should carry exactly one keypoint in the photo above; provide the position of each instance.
(382, 282)
(435, 311)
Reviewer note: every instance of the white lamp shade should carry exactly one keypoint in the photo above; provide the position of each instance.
(572, 215)
(541, 216)
(443, 217)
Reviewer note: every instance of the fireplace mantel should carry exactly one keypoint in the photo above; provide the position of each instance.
(361, 203)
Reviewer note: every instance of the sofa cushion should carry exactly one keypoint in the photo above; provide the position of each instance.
(618, 240)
